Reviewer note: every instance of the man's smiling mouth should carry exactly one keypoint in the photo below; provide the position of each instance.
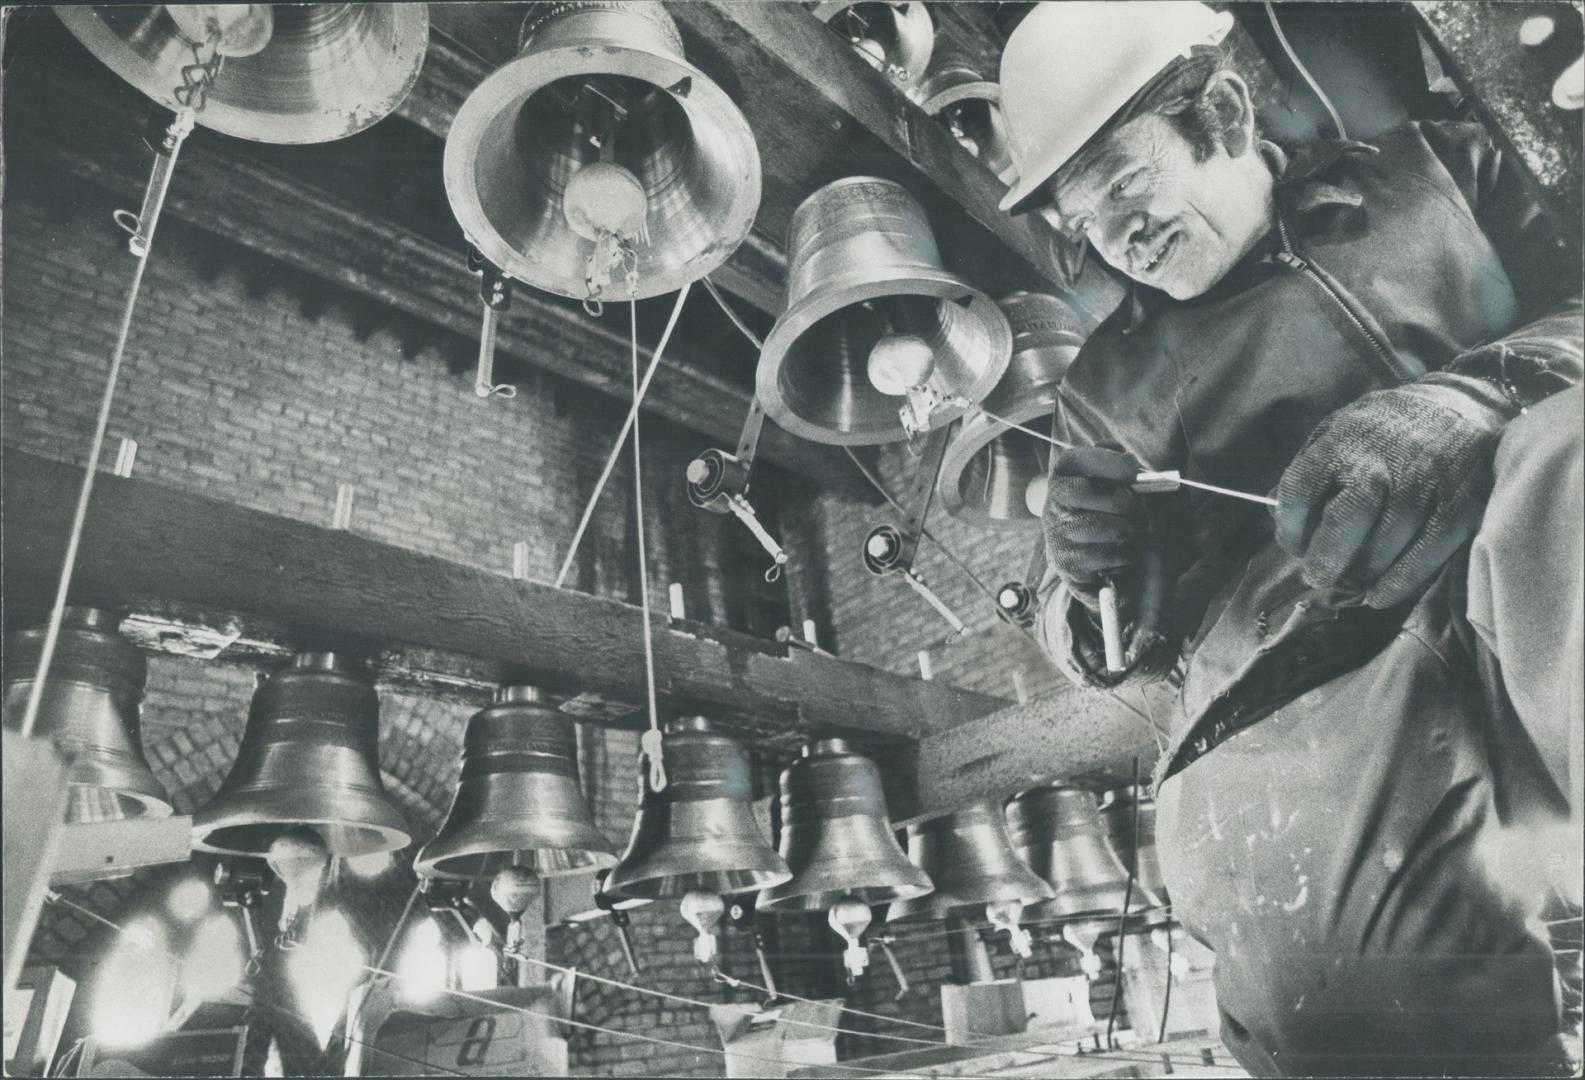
(1163, 250)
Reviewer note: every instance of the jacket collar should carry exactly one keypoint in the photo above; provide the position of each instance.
(1297, 172)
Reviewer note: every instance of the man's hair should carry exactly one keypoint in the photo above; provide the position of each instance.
(1177, 92)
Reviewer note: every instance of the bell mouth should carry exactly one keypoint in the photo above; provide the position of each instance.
(896, 37)
(720, 882)
(869, 895)
(527, 129)
(813, 376)
(540, 862)
(329, 70)
(90, 804)
(987, 471)
(975, 120)
(342, 838)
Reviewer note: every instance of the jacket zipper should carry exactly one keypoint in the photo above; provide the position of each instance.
(1293, 261)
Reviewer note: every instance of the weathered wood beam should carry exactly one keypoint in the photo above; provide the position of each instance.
(79, 126)
(1066, 734)
(145, 542)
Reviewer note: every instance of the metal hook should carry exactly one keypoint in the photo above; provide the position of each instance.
(593, 308)
(773, 575)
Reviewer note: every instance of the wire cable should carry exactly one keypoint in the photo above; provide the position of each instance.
(651, 741)
(621, 439)
(1315, 87)
(1166, 997)
(1128, 896)
(737, 321)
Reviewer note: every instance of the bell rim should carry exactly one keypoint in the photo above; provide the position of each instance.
(518, 79)
(831, 298)
(974, 435)
(826, 10)
(821, 899)
(973, 89)
(389, 837)
(412, 34)
(151, 805)
(429, 863)
(637, 888)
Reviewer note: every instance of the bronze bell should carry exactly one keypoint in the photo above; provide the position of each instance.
(989, 467)
(602, 136)
(895, 37)
(969, 103)
(89, 706)
(291, 73)
(836, 836)
(698, 834)
(1117, 811)
(972, 863)
(517, 802)
(1057, 830)
(875, 328)
(309, 757)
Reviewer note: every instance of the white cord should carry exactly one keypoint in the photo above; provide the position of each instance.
(621, 439)
(651, 741)
(1326, 102)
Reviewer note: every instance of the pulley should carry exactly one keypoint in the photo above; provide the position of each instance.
(600, 162)
(895, 37)
(309, 757)
(1057, 831)
(90, 708)
(836, 836)
(971, 861)
(991, 469)
(517, 802)
(879, 342)
(699, 833)
(291, 73)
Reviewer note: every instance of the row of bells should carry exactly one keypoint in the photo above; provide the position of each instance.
(600, 110)
(309, 758)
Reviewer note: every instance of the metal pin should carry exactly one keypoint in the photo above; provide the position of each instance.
(520, 560)
(125, 457)
(344, 497)
(925, 672)
(1020, 691)
(810, 633)
(1111, 630)
(678, 611)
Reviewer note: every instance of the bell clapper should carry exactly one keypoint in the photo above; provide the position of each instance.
(703, 910)
(1082, 936)
(850, 917)
(1003, 915)
(512, 889)
(299, 858)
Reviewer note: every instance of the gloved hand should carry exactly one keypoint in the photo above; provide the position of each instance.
(1094, 522)
(1386, 489)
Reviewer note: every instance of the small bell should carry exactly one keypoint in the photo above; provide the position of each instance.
(89, 706)
(971, 861)
(850, 918)
(703, 910)
(1056, 829)
(1117, 811)
(836, 837)
(895, 37)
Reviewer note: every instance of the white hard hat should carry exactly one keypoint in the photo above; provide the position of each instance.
(1071, 64)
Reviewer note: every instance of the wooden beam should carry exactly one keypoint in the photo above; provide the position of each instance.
(1067, 734)
(323, 586)
(85, 126)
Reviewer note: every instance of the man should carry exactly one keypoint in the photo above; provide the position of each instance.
(1368, 794)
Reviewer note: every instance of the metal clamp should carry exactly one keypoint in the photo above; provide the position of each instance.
(890, 550)
(719, 481)
(495, 290)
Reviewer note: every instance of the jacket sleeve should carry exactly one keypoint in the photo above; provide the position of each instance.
(1543, 353)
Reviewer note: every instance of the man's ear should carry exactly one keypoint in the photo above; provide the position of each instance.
(1226, 97)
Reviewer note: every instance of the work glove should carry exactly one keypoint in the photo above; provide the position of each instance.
(1097, 531)
(1387, 488)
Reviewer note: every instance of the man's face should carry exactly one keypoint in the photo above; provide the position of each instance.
(1161, 217)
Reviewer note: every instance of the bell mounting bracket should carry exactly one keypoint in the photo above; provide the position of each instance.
(495, 291)
(619, 918)
(242, 884)
(449, 897)
(890, 550)
(718, 482)
(740, 916)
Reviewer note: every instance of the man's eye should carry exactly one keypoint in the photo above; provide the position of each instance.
(1122, 184)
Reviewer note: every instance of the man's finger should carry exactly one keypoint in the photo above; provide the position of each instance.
(1096, 462)
(1087, 527)
(1085, 493)
(1302, 493)
(1340, 541)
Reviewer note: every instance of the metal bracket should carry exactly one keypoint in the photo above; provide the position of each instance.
(718, 482)
(495, 291)
(889, 550)
(449, 896)
(1017, 602)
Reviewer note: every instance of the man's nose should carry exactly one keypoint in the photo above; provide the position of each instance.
(1122, 237)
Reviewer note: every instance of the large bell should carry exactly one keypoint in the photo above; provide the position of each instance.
(518, 802)
(895, 37)
(698, 834)
(873, 321)
(1117, 811)
(988, 468)
(1057, 830)
(836, 836)
(89, 706)
(972, 863)
(309, 757)
(291, 73)
(676, 172)
(969, 103)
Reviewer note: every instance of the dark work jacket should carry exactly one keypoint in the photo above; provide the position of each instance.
(1421, 252)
